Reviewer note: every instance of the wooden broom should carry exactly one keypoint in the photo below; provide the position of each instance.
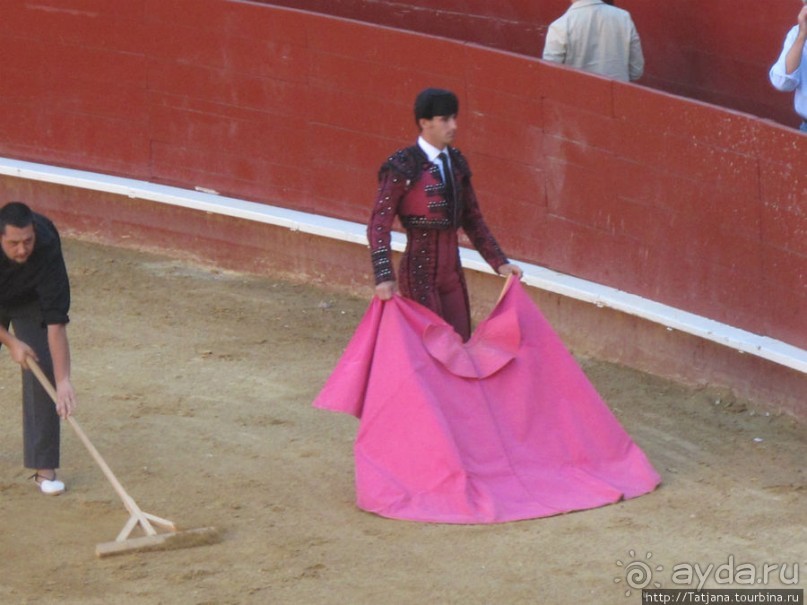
(152, 540)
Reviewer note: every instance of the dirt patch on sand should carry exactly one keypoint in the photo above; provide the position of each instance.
(196, 386)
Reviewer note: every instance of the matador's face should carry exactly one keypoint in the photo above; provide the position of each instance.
(440, 130)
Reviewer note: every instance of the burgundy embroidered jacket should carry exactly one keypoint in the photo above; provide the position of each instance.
(411, 188)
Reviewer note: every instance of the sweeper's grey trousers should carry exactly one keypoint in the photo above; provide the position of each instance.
(40, 422)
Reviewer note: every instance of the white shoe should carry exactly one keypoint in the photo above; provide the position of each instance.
(50, 487)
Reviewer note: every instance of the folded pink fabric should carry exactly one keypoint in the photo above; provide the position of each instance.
(503, 427)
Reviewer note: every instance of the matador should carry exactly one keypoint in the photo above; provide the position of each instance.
(428, 187)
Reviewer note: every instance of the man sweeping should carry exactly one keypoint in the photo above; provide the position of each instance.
(34, 303)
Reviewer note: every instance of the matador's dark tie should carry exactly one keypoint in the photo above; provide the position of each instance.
(448, 181)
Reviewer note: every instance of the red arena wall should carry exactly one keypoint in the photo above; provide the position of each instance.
(718, 51)
(684, 203)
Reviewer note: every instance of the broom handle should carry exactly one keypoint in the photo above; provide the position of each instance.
(128, 502)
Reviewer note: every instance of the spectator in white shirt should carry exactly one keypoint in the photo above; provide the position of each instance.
(789, 73)
(596, 37)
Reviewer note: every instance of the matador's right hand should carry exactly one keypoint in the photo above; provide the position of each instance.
(386, 289)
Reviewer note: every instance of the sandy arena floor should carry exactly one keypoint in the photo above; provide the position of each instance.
(196, 386)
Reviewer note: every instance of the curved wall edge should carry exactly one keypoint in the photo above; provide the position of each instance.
(250, 246)
(773, 350)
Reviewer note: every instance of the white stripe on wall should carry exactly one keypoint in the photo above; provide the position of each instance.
(536, 276)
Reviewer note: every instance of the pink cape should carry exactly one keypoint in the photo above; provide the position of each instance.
(503, 427)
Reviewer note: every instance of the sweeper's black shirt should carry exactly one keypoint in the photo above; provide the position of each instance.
(43, 277)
